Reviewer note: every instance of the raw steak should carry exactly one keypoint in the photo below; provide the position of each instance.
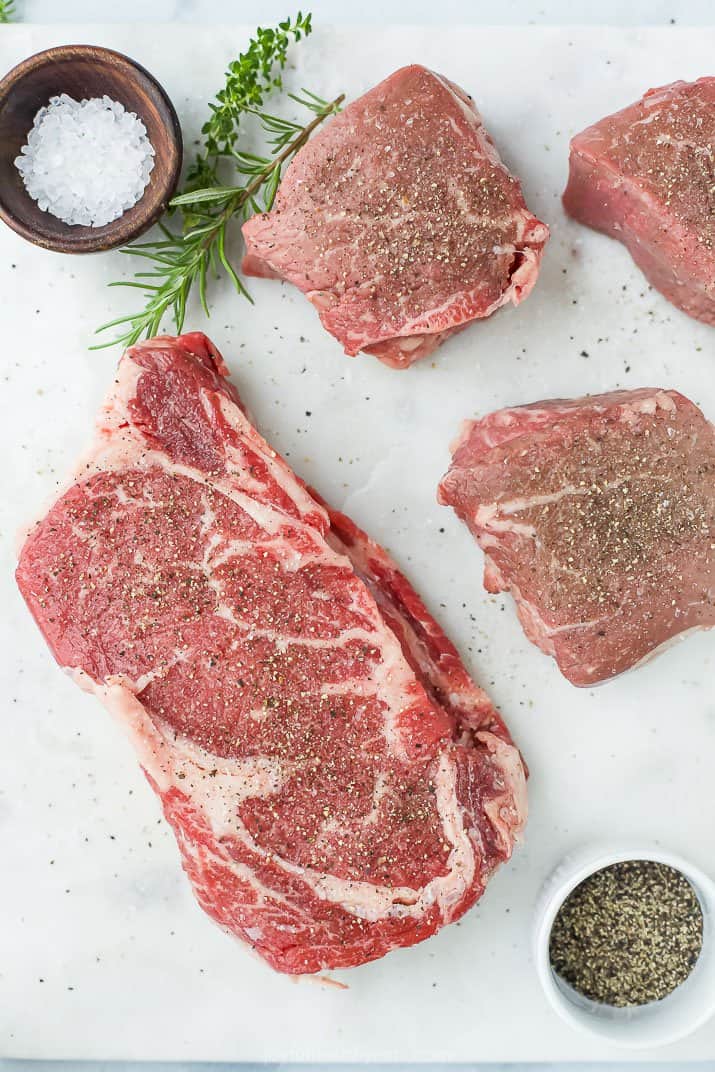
(337, 784)
(646, 176)
(599, 516)
(399, 221)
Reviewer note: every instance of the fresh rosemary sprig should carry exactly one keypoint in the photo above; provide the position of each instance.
(182, 260)
(186, 258)
(7, 10)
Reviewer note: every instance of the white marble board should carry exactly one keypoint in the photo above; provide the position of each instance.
(103, 953)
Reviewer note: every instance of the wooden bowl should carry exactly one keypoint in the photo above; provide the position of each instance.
(84, 71)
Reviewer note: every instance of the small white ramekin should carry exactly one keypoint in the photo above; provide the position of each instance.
(661, 1022)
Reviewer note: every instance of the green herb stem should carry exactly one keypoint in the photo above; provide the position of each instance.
(8, 12)
(183, 260)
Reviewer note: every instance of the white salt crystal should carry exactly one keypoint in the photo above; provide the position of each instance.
(86, 162)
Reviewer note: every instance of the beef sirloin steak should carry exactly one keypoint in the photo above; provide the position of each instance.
(399, 221)
(598, 515)
(337, 784)
(646, 176)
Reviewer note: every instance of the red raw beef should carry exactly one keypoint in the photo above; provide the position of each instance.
(399, 221)
(598, 515)
(337, 784)
(646, 176)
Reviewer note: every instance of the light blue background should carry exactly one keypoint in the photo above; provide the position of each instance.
(541, 12)
(161, 1066)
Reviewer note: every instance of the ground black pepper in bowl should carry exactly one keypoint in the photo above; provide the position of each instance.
(629, 934)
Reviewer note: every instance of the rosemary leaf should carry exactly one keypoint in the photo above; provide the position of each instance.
(197, 197)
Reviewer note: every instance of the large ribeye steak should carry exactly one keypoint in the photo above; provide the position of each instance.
(646, 176)
(337, 784)
(598, 515)
(399, 221)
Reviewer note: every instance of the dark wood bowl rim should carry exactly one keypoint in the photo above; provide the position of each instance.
(136, 220)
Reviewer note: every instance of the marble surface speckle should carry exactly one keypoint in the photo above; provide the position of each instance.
(95, 905)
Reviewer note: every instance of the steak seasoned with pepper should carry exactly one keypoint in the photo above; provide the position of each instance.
(598, 515)
(646, 176)
(399, 221)
(338, 785)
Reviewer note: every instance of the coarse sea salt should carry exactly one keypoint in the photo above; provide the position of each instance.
(86, 162)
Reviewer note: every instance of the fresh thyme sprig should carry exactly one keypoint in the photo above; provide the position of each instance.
(187, 258)
(249, 79)
(7, 10)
